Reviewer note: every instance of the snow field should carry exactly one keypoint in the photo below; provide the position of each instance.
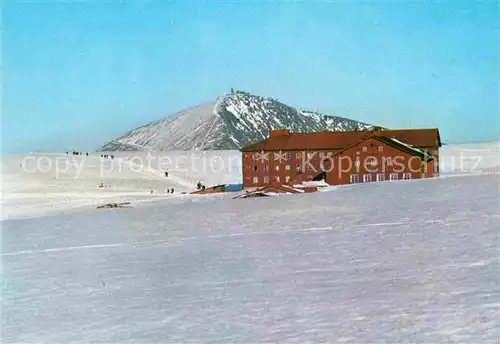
(390, 262)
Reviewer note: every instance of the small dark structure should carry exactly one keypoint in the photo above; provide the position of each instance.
(269, 190)
(113, 205)
(251, 195)
(211, 189)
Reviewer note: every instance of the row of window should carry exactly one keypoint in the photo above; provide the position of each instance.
(255, 180)
(288, 156)
(379, 148)
(380, 177)
(373, 162)
(298, 168)
(298, 155)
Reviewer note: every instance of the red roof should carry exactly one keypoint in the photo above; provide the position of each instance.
(284, 140)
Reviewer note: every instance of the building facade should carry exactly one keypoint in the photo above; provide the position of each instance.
(378, 159)
(291, 158)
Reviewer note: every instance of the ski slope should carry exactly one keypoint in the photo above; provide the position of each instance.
(413, 261)
(41, 184)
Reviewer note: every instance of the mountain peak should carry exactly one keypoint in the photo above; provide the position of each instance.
(231, 121)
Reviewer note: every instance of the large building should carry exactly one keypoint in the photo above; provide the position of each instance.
(341, 157)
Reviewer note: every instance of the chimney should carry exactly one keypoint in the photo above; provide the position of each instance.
(279, 132)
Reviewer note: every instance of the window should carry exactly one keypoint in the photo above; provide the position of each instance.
(380, 177)
(266, 168)
(388, 161)
(277, 168)
(406, 175)
(365, 149)
(266, 179)
(393, 176)
(372, 162)
(255, 168)
(380, 148)
(298, 155)
(287, 179)
(367, 178)
(354, 178)
(277, 178)
(298, 168)
(287, 167)
(288, 156)
(255, 180)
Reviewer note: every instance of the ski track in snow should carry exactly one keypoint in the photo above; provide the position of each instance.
(398, 262)
(279, 232)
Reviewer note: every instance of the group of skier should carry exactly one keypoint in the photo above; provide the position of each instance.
(77, 153)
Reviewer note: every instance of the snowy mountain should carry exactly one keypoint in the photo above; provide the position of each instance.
(232, 121)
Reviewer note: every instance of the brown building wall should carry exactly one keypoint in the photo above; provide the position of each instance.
(303, 167)
(372, 161)
(293, 167)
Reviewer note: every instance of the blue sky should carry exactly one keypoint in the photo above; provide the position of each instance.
(78, 74)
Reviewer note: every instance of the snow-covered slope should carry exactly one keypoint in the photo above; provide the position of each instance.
(231, 122)
(41, 184)
(402, 262)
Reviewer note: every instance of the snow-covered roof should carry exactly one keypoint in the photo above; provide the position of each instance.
(419, 151)
(308, 183)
